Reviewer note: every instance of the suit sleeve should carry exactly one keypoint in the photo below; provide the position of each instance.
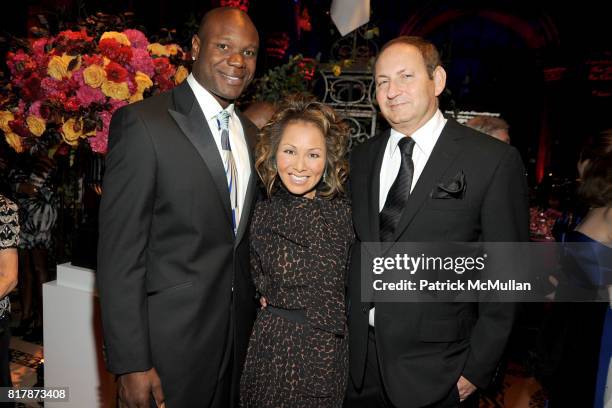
(504, 218)
(126, 212)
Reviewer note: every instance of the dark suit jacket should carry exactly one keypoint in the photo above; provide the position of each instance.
(174, 283)
(424, 347)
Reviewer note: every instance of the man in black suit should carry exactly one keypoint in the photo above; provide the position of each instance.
(173, 271)
(427, 354)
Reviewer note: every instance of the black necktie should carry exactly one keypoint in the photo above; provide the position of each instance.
(399, 192)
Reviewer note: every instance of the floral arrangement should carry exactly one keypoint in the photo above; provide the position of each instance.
(295, 76)
(64, 89)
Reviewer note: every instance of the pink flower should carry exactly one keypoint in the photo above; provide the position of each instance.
(77, 77)
(142, 61)
(137, 38)
(99, 142)
(116, 104)
(35, 108)
(131, 84)
(87, 95)
(38, 46)
(53, 89)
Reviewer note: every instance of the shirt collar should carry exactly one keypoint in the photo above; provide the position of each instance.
(425, 137)
(209, 105)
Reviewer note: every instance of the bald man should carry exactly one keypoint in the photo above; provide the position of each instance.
(492, 126)
(173, 271)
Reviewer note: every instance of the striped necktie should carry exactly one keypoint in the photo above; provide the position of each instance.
(231, 172)
(398, 195)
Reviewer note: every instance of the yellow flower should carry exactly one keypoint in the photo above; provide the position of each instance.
(119, 37)
(337, 70)
(173, 49)
(180, 75)
(159, 50)
(94, 76)
(14, 141)
(71, 131)
(58, 66)
(136, 97)
(143, 82)
(116, 90)
(36, 124)
(5, 118)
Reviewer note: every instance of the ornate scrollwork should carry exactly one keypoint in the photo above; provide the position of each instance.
(351, 94)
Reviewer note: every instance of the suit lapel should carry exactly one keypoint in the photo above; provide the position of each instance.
(442, 156)
(250, 135)
(374, 196)
(191, 120)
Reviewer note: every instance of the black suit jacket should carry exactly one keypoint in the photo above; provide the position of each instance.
(425, 347)
(174, 283)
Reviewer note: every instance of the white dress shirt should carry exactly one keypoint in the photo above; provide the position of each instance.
(211, 108)
(425, 138)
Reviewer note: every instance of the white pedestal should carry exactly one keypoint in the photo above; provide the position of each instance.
(73, 340)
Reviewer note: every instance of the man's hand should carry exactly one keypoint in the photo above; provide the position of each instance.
(263, 302)
(465, 388)
(135, 389)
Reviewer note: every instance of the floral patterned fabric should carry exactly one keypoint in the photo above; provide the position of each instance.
(9, 224)
(9, 237)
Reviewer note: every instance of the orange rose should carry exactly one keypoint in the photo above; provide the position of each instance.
(159, 50)
(94, 76)
(72, 131)
(143, 82)
(58, 67)
(180, 75)
(14, 141)
(136, 97)
(116, 90)
(119, 37)
(5, 118)
(36, 125)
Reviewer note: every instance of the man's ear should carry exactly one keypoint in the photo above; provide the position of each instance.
(195, 46)
(439, 78)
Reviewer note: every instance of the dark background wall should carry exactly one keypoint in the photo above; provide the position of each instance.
(545, 66)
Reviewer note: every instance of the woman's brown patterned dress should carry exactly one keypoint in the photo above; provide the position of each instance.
(299, 253)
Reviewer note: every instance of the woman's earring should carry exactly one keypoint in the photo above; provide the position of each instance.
(325, 175)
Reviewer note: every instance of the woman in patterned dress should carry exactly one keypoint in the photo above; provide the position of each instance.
(9, 238)
(35, 193)
(300, 240)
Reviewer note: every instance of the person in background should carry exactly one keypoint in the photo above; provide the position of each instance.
(576, 340)
(300, 240)
(35, 186)
(260, 112)
(492, 126)
(9, 239)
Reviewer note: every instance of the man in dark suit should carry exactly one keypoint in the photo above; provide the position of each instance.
(427, 354)
(173, 271)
